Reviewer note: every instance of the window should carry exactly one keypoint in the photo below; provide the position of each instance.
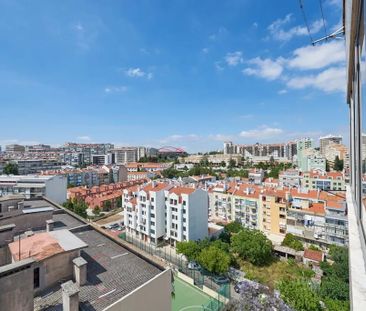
(36, 277)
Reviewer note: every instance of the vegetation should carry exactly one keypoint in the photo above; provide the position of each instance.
(11, 169)
(333, 290)
(96, 211)
(77, 206)
(195, 171)
(190, 249)
(338, 164)
(291, 241)
(214, 259)
(253, 246)
(299, 295)
(275, 271)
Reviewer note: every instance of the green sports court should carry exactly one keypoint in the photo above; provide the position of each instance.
(188, 298)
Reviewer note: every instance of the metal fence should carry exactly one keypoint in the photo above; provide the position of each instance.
(200, 277)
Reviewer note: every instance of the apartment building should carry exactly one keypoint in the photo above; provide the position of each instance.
(215, 159)
(319, 179)
(14, 148)
(159, 212)
(290, 178)
(78, 154)
(327, 140)
(34, 166)
(333, 150)
(273, 214)
(147, 166)
(35, 186)
(262, 152)
(310, 159)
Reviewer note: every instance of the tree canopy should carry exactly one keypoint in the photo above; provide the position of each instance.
(214, 259)
(252, 245)
(11, 169)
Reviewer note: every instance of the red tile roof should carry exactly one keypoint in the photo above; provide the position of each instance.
(313, 255)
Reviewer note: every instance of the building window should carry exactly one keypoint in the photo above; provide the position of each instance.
(36, 277)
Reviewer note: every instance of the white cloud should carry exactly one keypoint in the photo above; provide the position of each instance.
(277, 31)
(234, 58)
(138, 73)
(219, 34)
(265, 68)
(332, 79)
(179, 138)
(316, 57)
(281, 92)
(220, 137)
(84, 138)
(115, 89)
(255, 25)
(262, 132)
(205, 50)
(135, 73)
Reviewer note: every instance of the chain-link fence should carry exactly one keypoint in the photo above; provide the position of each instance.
(201, 277)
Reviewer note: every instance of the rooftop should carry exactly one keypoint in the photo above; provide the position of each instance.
(112, 272)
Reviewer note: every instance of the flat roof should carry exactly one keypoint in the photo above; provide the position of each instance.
(37, 210)
(112, 273)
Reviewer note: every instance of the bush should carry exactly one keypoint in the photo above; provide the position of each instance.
(291, 241)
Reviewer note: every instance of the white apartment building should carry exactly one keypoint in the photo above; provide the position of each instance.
(186, 214)
(35, 186)
(327, 140)
(290, 178)
(159, 212)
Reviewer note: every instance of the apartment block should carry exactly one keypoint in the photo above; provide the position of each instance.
(327, 140)
(290, 178)
(160, 212)
(319, 179)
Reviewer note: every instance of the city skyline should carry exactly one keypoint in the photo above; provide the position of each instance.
(165, 74)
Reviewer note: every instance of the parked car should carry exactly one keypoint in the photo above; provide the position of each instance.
(113, 226)
(220, 279)
(120, 228)
(194, 265)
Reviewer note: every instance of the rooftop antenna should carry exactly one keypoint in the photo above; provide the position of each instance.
(337, 34)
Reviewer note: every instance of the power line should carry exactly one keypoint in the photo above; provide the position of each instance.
(305, 20)
(321, 10)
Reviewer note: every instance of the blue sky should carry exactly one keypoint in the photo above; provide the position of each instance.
(183, 73)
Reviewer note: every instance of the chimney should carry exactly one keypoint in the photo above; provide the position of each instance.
(80, 269)
(49, 225)
(70, 296)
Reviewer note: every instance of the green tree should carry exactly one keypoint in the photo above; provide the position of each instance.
(107, 204)
(214, 260)
(223, 163)
(252, 245)
(119, 201)
(299, 295)
(11, 168)
(338, 164)
(190, 249)
(291, 241)
(96, 211)
(229, 229)
(232, 163)
(327, 167)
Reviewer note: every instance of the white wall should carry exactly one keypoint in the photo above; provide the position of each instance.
(56, 189)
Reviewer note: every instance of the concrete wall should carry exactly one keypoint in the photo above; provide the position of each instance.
(56, 189)
(55, 268)
(16, 290)
(197, 213)
(153, 295)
